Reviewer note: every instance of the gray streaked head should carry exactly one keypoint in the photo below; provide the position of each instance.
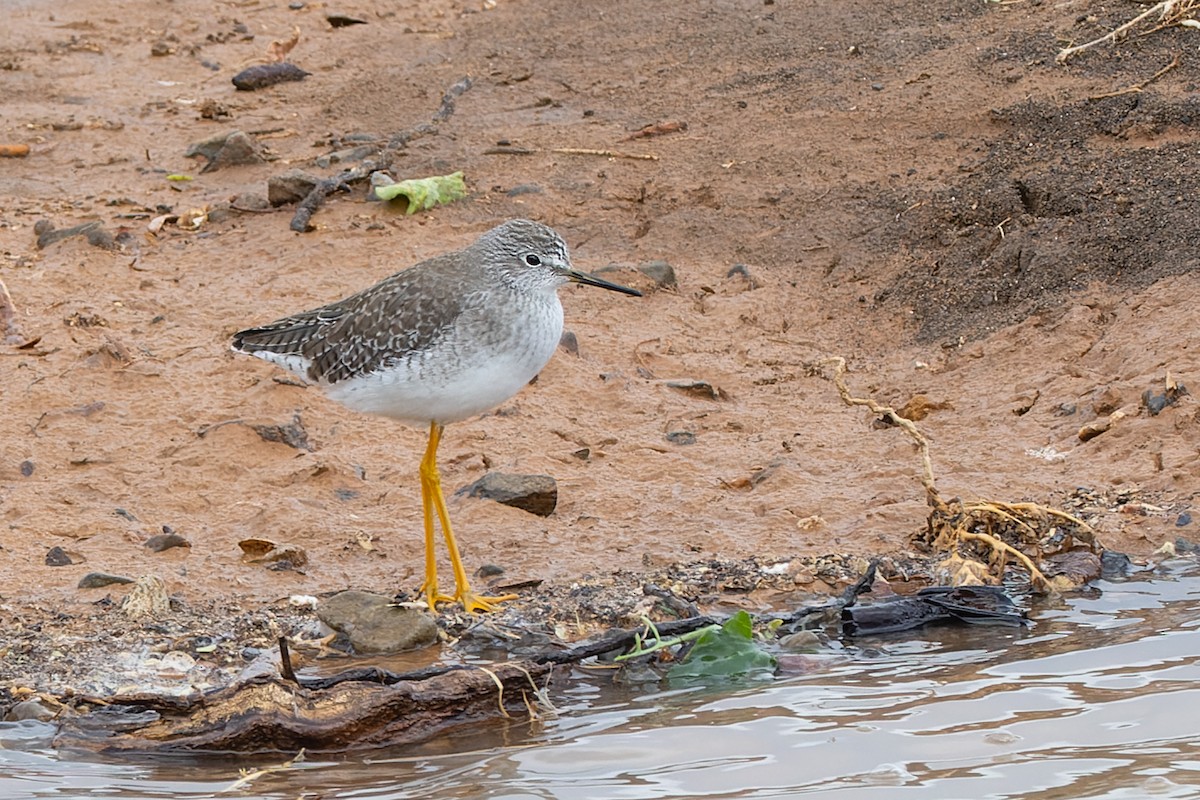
(532, 255)
(525, 252)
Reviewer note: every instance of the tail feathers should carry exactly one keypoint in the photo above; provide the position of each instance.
(285, 342)
(285, 337)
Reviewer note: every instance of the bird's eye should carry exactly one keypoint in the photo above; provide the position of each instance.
(532, 260)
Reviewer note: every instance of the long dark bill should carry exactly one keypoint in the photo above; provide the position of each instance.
(592, 280)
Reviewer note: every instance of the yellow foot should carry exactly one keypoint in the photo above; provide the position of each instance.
(433, 597)
(475, 604)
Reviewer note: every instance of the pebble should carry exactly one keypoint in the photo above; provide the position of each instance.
(373, 625)
(32, 708)
(227, 149)
(292, 434)
(147, 599)
(93, 231)
(681, 437)
(537, 494)
(97, 580)
(696, 388)
(57, 557)
(290, 187)
(1183, 520)
(261, 76)
(662, 273)
(26, 468)
(165, 541)
(569, 342)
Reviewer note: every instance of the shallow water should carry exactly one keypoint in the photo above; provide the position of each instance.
(1099, 699)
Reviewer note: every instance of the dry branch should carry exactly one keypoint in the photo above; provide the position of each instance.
(1004, 530)
(302, 219)
(1170, 12)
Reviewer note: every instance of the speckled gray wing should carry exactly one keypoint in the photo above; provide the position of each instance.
(395, 319)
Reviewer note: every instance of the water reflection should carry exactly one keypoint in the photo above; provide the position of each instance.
(1097, 701)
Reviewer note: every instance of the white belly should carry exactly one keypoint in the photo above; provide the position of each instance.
(475, 368)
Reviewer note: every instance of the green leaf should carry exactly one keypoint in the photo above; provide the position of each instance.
(423, 194)
(729, 650)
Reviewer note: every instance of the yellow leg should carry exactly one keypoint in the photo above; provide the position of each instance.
(431, 495)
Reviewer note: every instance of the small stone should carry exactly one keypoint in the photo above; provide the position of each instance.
(373, 625)
(524, 188)
(227, 149)
(569, 342)
(33, 708)
(1183, 520)
(1115, 565)
(537, 494)
(276, 556)
(263, 75)
(357, 153)
(147, 599)
(877, 87)
(801, 640)
(159, 49)
(293, 434)
(489, 571)
(98, 580)
(100, 237)
(250, 201)
(696, 388)
(662, 273)
(1106, 401)
(290, 187)
(26, 468)
(165, 541)
(50, 235)
(343, 20)
(57, 557)
(681, 437)
(1094, 429)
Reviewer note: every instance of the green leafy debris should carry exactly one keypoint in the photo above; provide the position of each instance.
(423, 194)
(725, 651)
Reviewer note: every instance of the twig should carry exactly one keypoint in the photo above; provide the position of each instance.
(839, 380)
(285, 661)
(302, 219)
(1137, 87)
(249, 776)
(584, 151)
(1164, 9)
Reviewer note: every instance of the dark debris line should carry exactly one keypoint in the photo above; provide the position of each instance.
(302, 219)
(616, 639)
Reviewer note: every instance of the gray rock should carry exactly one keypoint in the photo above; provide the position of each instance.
(569, 342)
(357, 153)
(48, 234)
(165, 541)
(696, 388)
(97, 580)
(662, 273)
(681, 437)
(57, 557)
(228, 149)
(373, 625)
(537, 494)
(290, 187)
(33, 708)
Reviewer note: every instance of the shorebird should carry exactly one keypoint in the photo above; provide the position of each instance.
(446, 339)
